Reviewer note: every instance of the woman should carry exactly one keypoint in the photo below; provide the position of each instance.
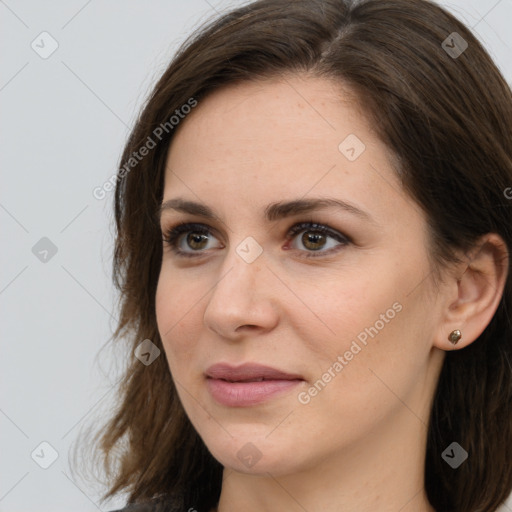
(312, 252)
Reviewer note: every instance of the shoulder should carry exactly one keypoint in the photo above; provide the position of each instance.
(154, 505)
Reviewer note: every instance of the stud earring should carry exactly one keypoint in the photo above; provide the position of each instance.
(455, 336)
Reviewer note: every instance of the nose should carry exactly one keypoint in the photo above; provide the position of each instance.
(243, 300)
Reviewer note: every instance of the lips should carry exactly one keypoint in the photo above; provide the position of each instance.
(248, 372)
(249, 384)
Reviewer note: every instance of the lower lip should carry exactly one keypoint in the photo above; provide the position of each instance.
(244, 394)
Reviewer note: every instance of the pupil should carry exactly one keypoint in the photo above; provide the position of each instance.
(316, 240)
(196, 239)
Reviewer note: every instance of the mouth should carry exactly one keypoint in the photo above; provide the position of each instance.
(249, 384)
(261, 379)
(248, 372)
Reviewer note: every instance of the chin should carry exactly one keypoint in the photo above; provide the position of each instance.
(253, 454)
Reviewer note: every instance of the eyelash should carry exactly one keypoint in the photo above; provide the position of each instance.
(172, 236)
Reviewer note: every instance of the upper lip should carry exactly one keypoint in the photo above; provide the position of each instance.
(248, 371)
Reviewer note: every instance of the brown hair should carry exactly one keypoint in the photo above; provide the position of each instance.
(448, 120)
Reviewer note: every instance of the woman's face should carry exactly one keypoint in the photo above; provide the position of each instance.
(345, 318)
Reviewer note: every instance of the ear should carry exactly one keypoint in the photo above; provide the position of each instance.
(473, 292)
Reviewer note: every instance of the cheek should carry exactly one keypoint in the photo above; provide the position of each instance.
(174, 306)
(370, 318)
(381, 355)
(345, 308)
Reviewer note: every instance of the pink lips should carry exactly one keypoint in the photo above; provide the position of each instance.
(248, 384)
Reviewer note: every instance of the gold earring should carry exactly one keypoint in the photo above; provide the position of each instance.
(455, 336)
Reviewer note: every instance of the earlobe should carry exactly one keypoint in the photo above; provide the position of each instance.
(478, 290)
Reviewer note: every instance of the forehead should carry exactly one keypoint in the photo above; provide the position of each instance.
(276, 113)
(255, 142)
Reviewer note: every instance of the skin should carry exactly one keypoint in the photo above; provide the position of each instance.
(359, 443)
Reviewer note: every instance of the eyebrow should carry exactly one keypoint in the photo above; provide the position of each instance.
(273, 212)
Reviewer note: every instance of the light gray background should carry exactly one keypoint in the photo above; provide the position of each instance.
(64, 121)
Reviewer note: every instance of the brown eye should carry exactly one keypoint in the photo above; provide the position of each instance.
(313, 242)
(316, 239)
(189, 239)
(196, 241)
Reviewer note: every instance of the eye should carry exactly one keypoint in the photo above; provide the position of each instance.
(191, 235)
(191, 240)
(315, 239)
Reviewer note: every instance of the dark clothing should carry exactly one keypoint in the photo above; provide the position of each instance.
(157, 505)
